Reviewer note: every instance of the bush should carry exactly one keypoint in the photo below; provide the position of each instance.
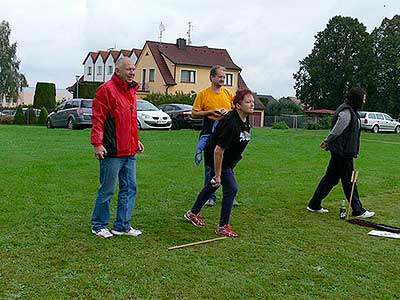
(87, 89)
(30, 116)
(322, 123)
(280, 125)
(19, 117)
(6, 119)
(179, 97)
(45, 95)
(43, 116)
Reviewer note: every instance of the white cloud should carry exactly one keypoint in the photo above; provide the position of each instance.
(265, 38)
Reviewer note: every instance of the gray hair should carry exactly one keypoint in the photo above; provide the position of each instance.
(120, 62)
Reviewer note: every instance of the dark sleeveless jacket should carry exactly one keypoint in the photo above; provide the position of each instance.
(348, 143)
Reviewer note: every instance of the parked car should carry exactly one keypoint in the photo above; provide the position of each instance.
(72, 114)
(150, 117)
(377, 121)
(181, 116)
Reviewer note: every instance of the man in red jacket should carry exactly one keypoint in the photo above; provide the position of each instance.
(114, 136)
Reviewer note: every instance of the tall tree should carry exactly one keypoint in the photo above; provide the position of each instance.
(340, 59)
(11, 80)
(386, 50)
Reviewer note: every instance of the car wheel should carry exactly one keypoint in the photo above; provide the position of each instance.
(175, 125)
(139, 125)
(397, 129)
(375, 129)
(70, 123)
(48, 124)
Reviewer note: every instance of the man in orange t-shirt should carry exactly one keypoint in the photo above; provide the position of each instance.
(212, 104)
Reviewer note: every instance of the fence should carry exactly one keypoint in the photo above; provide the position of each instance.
(293, 121)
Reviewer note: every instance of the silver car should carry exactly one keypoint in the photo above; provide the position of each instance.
(378, 121)
(71, 114)
(150, 117)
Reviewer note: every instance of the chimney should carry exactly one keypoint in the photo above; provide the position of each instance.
(181, 43)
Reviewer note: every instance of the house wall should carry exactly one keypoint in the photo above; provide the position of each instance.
(109, 63)
(202, 80)
(97, 76)
(147, 61)
(88, 63)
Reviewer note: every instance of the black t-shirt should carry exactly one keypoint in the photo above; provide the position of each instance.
(233, 135)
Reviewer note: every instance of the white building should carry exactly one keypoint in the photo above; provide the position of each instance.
(100, 65)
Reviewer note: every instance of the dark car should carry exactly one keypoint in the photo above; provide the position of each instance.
(181, 116)
(71, 114)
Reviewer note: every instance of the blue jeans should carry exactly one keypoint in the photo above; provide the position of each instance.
(229, 191)
(208, 175)
(112, 170)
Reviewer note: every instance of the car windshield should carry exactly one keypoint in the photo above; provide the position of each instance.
(86, 104)
(146, 106)
(362, 114)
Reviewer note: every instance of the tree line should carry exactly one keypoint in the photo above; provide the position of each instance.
(346, 55)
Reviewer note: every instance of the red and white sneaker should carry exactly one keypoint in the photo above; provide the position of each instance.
(196, 220)
(226, 230)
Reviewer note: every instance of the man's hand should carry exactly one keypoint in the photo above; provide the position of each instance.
(324, 145)
(219, 112)
(100, 152)
(216, 181)
(140, 147)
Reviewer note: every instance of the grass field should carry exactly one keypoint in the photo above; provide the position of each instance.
(48, 181)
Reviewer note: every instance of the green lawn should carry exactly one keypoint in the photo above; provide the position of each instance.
(48, 181)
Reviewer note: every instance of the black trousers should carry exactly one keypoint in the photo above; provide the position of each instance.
(338, 168)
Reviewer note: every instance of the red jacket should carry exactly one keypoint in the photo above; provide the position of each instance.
(114, 118)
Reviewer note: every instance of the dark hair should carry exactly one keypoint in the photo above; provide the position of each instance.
(355, 97)
(214, 69)
(239, 97)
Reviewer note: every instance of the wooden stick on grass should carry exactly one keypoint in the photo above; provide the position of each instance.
(197, 243)
(354, 176)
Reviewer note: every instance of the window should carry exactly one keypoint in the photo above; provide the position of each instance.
(152, 74)
(110, 70)
(379, 116)
(99, 70)
(68, 105)
(89, 70)
(228, 79)
(188, 76)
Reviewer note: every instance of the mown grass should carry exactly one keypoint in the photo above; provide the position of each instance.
(48, 181)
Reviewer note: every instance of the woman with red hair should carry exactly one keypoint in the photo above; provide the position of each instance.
(222, 152)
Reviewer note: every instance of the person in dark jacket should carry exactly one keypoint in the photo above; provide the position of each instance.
(114, 136)
(222, 152)
(343, 142)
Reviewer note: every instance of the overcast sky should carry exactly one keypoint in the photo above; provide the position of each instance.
(265, 38)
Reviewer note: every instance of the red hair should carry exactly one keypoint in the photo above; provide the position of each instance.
(240, 94)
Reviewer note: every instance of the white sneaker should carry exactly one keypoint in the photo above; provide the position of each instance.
(366, 214)
(321, 210)
(131, 232)
(103, 233)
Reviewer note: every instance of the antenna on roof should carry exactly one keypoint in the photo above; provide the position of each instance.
(161, 27)
(189, 32)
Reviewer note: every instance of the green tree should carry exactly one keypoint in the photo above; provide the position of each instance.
(45, 95)
(11, 80)
(385, 96)
(19, 117)
(283, 107)
(43, 116)
(341, 58)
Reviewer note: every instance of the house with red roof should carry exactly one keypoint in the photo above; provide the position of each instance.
(170, 68)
